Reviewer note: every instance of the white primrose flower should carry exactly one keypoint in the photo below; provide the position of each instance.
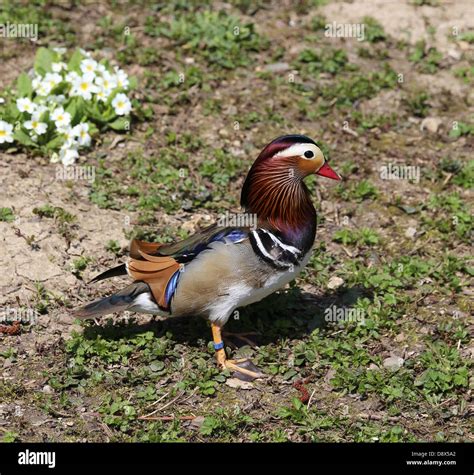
(24, 104)
(72, 77)
(39, 128)
(101, 68)
(68, 156)
(58, 67)
(122, 104)
(81, 131)
(43, 89)
(40, 109)
(59, 99)
(107, 82)
(122, 78)
(52, 79)
(84, 87)
(69, 138)
(102, 95)
(61, 118)
(36, 82)
(89, 66)
(6, 132)
(69, 134)
(2, 100)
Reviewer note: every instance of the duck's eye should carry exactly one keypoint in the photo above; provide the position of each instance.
(309, 154)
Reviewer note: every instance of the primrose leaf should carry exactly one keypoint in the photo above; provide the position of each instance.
(23, 85)
(120, 124)
(43, 61)
(75, 61)
(23, 138)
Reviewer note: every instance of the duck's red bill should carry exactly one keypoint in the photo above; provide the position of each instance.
(328, 172)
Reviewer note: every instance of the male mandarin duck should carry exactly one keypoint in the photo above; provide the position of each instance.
(222, 268)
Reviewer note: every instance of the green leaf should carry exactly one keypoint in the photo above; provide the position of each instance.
(11, 112)
(93, 130)
(77, 110)
(156, 366)
(43, 61)
(23, 85)
(455, 132)
(133, 83)
(94, 113)
(23, 138)
(120, 124)
(6, 214)
(289, 374)
(55, 143)
(75, 61)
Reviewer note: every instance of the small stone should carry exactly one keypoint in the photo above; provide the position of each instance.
(238, 384)
(231, 110)
(455, 54)
(197, 422)
(47, 389)
(410, 232)
(393, 363)
(431, 124)
(277, 67)
(335, 283)
(400, 337)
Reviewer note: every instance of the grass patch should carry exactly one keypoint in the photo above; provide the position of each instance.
(222, 40)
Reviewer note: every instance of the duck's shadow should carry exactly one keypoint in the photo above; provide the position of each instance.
(289, 314)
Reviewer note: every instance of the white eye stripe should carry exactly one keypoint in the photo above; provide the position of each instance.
(298, 150)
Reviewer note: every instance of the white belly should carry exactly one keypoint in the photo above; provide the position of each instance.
(241, 294)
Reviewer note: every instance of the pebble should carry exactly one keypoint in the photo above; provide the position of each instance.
(431, 124)
(47, 389)
(455, 54)
(277, 67)
(393, 363)
(335, 283)
(223, 133)
(238, 384)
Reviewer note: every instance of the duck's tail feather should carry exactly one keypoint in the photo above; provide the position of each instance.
(114, 272)
(114, 303)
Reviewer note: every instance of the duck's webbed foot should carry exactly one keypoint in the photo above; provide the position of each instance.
(242, 369)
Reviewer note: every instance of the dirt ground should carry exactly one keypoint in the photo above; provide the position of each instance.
(397, 250)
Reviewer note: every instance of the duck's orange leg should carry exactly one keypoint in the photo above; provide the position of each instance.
(238, 366)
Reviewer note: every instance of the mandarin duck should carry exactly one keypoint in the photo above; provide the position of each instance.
(222, 268)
